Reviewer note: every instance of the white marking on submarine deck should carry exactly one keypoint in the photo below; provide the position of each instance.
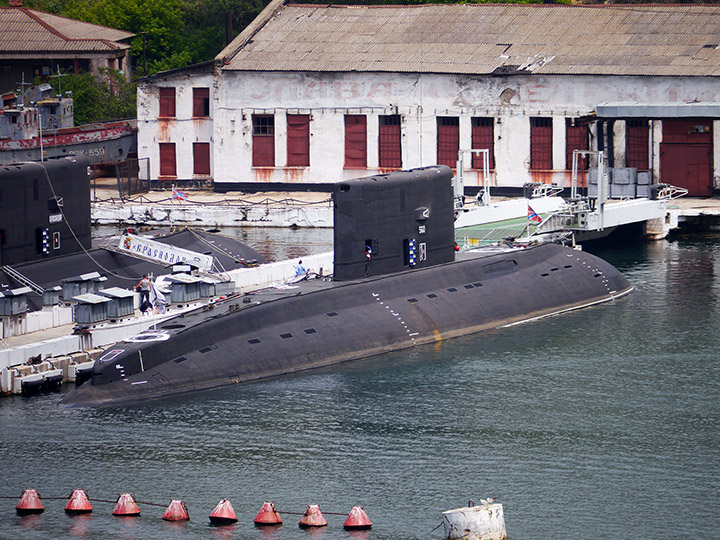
(398, 317)
(565, 310)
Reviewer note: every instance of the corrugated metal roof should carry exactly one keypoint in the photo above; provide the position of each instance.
(25, 30)
(630, 39)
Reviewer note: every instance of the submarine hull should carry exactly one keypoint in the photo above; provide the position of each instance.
(325, 323)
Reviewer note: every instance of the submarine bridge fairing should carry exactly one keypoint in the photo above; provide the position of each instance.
(397, 284)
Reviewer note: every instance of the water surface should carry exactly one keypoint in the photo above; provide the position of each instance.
(601, 423)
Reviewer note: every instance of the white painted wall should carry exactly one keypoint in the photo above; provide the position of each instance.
(183, 130)
(236, 96)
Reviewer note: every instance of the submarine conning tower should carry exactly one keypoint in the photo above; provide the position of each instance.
(393, 222)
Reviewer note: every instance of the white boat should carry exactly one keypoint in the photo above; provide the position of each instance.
(490, 222)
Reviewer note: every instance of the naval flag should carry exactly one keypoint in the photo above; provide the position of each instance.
(157, 298)
(532, 216)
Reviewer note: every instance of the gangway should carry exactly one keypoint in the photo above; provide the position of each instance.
(596, 217)
(17, 276)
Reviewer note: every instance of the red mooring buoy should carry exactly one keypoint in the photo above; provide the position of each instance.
(126, 506)
(176, 511)
(78, 503)
(268, 515)
(357, 519)
(223, 513)
(313, 517)
(30, 503)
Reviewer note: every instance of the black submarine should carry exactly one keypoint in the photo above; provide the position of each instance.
(398, 282)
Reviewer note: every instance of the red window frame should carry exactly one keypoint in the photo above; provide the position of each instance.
(168, 162)
(448, 140)
(637, 141)
(541, 144)
(263, 140)
(167, 103)
(201, 158)
(201, 102)
(298, 140)
(483, 137)
(390, 142)
(577, 137)
(355, 141)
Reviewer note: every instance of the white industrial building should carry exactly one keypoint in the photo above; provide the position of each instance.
(311, 94)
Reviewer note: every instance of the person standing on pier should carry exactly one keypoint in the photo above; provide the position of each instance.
(144, 288)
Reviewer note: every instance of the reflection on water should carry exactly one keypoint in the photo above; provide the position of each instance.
(79, 525)
(600, 423)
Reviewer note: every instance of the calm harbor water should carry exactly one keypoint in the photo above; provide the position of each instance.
(602, 423)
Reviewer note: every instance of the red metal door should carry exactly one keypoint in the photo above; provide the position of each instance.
(201, 158)
(688, 166)
(541, 144)
(482, 137)
(448, 140)
(686, 155)
(168, 164)
(298, 140)
(390, 142)
(355, 141)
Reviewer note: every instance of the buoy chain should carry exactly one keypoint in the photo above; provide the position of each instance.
(150, 504)
(303, 513)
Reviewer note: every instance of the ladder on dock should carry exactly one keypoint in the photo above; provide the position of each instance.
(17, 276)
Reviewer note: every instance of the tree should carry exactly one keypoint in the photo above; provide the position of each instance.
(162, 22)
(108, 96)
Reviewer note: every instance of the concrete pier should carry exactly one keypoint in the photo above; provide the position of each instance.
(208, 209)
(696, 214)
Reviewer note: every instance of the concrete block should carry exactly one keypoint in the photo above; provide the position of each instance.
(44, 366)
(62, 362)
(624, 176)
(592, 190)
(484, 522)
(16, 386)
(79, 357)
(643, 178)
(24, 371)
(94, 354)
(642, 190)
(6, 381)
(622, 191)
